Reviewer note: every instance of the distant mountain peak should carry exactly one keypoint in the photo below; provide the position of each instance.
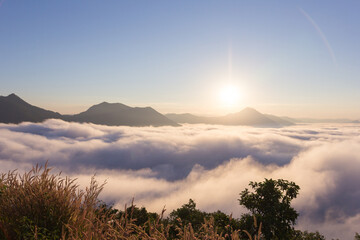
(14, 99)
(249, 110)
(115, 114)
(104, 103)
(15, 110)
(108, 107)
(247, 117)
(13, 95)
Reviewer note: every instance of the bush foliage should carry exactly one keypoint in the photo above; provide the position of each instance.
(270, 202)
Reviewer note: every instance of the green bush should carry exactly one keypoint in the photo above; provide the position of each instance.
(270, 203)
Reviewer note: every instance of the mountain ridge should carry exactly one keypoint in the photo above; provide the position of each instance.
(246, 117)
(13, 109)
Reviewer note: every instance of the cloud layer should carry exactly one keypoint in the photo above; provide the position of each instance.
(211, 164)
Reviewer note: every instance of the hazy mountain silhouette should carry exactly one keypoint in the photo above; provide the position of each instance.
(249, 117)
(15, 110)
(115, 114)
(280, 120)
(246, 117)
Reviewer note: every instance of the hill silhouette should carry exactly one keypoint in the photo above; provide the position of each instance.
(114, 114)
(15, 110)
(246, 117)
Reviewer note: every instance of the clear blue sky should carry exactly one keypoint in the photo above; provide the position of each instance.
(297, 58)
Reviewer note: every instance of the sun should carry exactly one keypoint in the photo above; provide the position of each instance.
(229, 95)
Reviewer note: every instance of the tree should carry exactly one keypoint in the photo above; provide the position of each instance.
(140, 215)
(189, 214)
(270, 204)
(300, 235)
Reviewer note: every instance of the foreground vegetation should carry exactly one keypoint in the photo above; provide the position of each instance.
(41, 205)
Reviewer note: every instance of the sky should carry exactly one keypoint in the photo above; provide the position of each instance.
(293, 58)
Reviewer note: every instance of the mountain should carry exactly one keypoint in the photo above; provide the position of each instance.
(249, 117)
(246, 117)
(15, 110)
(280, 120)
(116, 114)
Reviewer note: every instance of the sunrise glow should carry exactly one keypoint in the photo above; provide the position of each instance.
(229, 95)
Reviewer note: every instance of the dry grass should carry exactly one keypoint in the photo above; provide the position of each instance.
(40, 205)
(256, 236)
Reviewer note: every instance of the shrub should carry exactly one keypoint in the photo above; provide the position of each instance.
(270, 202)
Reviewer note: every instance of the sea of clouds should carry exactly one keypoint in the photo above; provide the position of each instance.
(166, 166)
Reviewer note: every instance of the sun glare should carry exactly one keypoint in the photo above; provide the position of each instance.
(229, 95)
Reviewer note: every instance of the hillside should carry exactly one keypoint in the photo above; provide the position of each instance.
(15, 110)
(246, 117)
(115, 114)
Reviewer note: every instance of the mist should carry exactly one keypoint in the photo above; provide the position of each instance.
(166, 166)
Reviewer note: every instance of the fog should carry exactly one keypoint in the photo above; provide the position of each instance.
(166, 166)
